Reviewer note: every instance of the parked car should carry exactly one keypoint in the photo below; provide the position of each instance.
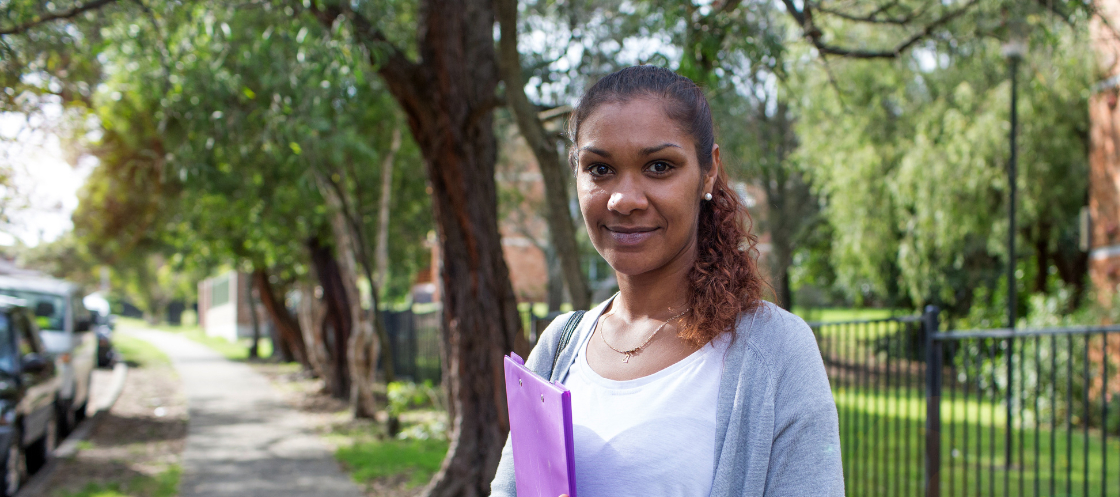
(29, 387)
(103, 324)
(65, 328)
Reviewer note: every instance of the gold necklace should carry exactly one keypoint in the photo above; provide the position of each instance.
(627, 353)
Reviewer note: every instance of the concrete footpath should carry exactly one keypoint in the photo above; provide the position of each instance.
(242, 439)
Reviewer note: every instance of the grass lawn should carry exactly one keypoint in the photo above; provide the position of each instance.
(377, 461)
(137, 352)
(236, 351)
(369, 460)
(834, 314)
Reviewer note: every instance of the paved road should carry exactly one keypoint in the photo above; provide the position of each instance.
(242, 439)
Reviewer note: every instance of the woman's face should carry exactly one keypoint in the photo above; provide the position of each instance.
(640, 186)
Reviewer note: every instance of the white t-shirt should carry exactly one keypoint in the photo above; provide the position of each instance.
(654, 435)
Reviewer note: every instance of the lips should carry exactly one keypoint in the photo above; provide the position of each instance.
(630, 235)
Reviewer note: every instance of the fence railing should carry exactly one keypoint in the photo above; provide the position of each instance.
(984, 412)
(415, 339)
(877, 372)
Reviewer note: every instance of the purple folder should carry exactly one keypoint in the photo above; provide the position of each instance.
(540, 424)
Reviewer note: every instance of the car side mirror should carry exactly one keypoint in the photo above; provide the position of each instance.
(34, 363)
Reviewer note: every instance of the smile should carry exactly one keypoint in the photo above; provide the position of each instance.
(623, 235)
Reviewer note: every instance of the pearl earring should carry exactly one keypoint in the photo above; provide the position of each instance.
(707, 196)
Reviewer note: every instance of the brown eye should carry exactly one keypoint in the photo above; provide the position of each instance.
(660, 167)
(598, 170)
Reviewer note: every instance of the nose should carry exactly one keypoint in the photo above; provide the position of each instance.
(627, 197)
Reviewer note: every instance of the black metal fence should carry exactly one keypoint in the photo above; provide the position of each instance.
(877, 372)
(414, 338)
(987, 412)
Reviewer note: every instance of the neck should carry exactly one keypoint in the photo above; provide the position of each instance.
(657, 294)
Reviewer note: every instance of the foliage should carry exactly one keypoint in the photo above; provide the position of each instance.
(64, 258)
(194, 162)
(910, 155)
(406, 395)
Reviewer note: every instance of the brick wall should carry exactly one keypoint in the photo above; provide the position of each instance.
(1104, 155)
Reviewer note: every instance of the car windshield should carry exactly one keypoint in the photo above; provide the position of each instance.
(7, 349)
(50, 310)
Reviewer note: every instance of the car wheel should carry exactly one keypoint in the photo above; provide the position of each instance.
(67, 417)
(40, 452)
(15, 467)
(83, 410)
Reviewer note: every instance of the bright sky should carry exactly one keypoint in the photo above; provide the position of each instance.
(45, 184)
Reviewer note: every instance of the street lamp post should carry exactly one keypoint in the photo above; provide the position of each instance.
(1013, 50)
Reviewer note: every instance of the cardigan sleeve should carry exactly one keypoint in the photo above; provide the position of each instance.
(805, 455)
(540, 361)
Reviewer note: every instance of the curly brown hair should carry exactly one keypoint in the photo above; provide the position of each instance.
(725, 281)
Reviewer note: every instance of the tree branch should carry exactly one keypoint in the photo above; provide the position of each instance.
(873, 16)
(66, 14)
(813, 34)
(728, 6)
(551, 167)
(369, 36)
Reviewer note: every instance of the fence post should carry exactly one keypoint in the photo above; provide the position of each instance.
(934, 358)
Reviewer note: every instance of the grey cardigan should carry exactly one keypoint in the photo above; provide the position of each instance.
(777, 432)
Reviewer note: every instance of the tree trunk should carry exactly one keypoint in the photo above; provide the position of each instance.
(286, 325)
(280, 350)
(781, 248)
(381, 253)
(449, 98)
(337, 320)
(253, 352)
(555, 281)
(1042, 258)
(364, 346)
(791, 205)
(370, 335)
(312, 315)
(554, 172)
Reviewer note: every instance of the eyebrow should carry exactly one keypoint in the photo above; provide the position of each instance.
(596, 151)
(645, 151)
(658, 148)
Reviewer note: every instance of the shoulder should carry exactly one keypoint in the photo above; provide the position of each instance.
(770, 328)
(540, 358)
(776, 338)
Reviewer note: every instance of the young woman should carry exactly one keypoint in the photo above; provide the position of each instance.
(686, 382)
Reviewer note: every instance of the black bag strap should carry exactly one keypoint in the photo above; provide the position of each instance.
(566, 336)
